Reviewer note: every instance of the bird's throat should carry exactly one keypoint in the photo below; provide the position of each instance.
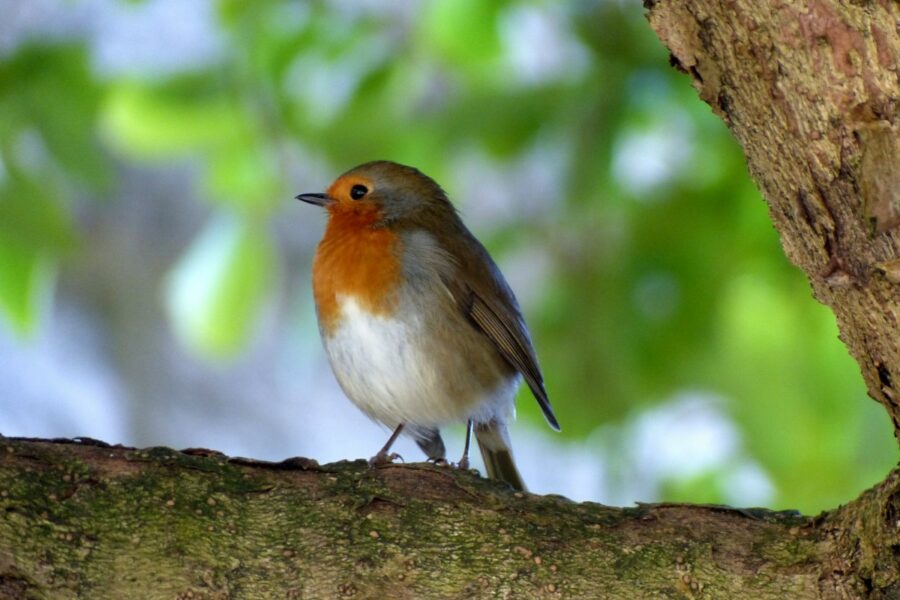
(356, 259)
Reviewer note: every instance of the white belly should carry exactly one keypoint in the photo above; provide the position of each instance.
(384, 366)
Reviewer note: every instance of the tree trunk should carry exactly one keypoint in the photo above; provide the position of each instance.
(92, 521)
(810, 89)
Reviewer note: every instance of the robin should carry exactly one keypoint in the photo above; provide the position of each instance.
(419, 325)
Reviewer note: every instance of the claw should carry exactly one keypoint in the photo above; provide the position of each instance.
(382, 459)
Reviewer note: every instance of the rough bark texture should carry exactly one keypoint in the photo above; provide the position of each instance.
(811, 89)
(92, 521)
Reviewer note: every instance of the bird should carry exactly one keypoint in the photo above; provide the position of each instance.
(419, 325)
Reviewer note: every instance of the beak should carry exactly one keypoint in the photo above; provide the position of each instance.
(317, 199)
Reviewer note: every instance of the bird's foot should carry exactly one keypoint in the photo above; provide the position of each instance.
(463, 464)
(438, 462)
(383, 458)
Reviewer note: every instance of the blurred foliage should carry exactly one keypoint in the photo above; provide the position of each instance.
(664, 271)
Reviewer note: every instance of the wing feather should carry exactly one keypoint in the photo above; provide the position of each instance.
(511, 340)
(507, 331)
(478, 289)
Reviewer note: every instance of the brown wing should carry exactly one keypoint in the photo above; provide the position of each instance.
(511, 339)
(484, 297)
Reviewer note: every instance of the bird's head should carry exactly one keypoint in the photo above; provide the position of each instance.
(387, 194)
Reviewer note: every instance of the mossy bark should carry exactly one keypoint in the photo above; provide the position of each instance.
(81, 520)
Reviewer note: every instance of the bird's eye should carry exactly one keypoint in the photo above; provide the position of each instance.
(358, 191)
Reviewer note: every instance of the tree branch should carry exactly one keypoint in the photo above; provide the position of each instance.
(84, 520)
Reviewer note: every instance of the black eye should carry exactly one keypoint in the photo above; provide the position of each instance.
(358, 191)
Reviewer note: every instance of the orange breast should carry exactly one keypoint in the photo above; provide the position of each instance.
(356, 260)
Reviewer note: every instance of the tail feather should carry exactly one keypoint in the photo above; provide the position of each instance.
(493, 441)
(429, 440)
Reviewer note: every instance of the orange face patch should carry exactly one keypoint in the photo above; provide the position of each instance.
(341, 192)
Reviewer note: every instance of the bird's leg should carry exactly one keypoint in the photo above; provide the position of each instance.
(464, 461)
(384, 457)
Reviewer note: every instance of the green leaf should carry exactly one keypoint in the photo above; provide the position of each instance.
(155, 123)
(463, 31)
(26, 277)
(34, 230)
(50, 90)
(32, 214)
(243, 176)
(217, 289)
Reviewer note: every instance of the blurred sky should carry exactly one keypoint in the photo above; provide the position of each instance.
(130, 320)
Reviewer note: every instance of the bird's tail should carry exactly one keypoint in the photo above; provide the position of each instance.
(493, 441)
